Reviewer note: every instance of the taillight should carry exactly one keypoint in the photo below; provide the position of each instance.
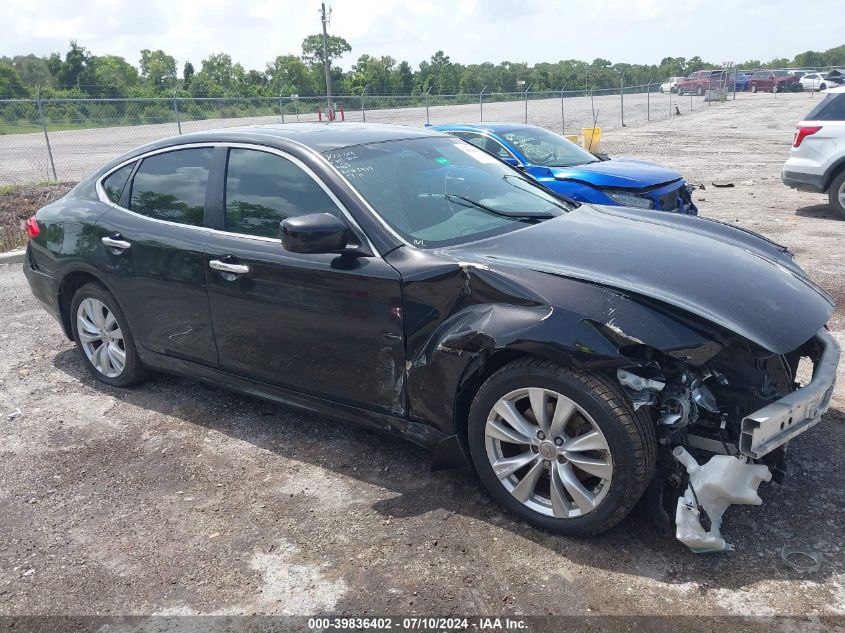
(32, 229)
(804, 131)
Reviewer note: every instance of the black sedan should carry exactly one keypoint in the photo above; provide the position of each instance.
(404, 279)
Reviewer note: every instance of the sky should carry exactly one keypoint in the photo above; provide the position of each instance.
(254, 32)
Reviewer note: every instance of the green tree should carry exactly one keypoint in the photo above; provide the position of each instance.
(34, 71)
(404, 81)
(158, 68)
(11, 85)
(114, 75)
(54, 65)
(220, 75)
(288, 75)
(442, 73)
(312, 48)
(77, 69)
(187, 74)
(377, 73)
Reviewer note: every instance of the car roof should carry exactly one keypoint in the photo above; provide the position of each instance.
(320, 137)
(495, 128)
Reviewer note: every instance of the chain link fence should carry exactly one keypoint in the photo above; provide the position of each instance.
(66, 139)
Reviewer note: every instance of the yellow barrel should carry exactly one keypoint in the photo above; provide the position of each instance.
(574, 138)
(592, 139)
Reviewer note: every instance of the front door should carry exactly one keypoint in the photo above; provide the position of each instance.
(151, 250)
(325, 324)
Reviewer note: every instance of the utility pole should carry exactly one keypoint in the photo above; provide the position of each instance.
(325, 19)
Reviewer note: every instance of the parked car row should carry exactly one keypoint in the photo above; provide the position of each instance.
(700, 81)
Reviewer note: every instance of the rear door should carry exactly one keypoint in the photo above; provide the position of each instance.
(151, 249)
(325, 324)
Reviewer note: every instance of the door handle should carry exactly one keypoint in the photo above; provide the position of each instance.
(225, 267)
(116, 241)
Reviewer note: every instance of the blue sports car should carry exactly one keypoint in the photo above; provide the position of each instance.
(571, 171)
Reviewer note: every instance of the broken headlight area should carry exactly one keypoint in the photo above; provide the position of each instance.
(743, 405)
(628, 199)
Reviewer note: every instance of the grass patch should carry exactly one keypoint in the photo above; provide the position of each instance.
(19, 202)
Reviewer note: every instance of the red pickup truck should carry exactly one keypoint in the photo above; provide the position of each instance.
(699, 81)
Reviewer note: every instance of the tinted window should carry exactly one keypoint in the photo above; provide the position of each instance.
(172, 186)
(831, 109)
(487, 144)
(263, 189)
(438, 191)
(115, 183)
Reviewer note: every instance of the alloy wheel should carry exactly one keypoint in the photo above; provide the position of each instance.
(100, 337)
(840, 195)
(548, 452)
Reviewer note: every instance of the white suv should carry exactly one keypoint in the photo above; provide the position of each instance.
(817, 158)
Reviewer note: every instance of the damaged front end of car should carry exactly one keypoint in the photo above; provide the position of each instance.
(736, 410)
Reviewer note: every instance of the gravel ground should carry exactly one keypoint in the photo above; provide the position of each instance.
(177, 498)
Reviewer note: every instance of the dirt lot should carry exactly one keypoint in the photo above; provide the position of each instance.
(177, 498)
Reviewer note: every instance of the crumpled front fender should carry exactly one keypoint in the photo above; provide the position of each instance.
(585, 326)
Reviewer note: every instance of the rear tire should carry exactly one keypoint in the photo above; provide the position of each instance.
(584, 463)
(699, 91)
(753, 88)
(836, 194)
(103, 337)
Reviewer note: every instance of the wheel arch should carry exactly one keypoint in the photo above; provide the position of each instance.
(832, 172)
(476, 374)
(72, 281)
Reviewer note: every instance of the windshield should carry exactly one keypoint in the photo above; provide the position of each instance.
(545, 148)
(442, 191)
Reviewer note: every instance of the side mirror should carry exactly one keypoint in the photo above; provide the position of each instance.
(510, 160)
(315, 233)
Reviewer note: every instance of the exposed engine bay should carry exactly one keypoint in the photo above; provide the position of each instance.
(743, 405)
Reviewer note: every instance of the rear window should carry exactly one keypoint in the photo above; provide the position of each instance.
(171, 186)
(832, 108)
(115, 183)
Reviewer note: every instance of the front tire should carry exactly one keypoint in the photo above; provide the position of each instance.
(753, 88)
(836, 194)
(562, 450)
(103, 337)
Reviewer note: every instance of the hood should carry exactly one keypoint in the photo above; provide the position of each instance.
(626, 173)
(732, 278)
